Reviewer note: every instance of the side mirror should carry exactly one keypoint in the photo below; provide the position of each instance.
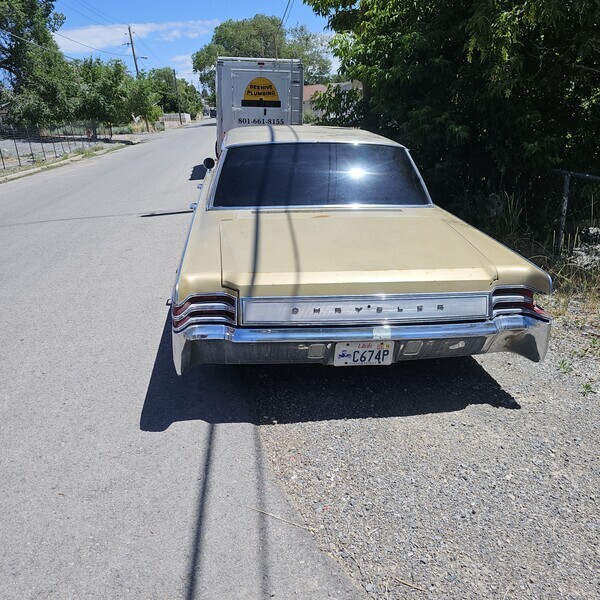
(193, 206)
(209, 163)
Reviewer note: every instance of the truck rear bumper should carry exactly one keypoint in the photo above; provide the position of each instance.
(202, 344)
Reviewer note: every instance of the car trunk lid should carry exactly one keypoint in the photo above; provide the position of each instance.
(322, 254)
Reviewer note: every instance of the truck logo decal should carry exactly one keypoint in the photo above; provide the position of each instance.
(261, 92)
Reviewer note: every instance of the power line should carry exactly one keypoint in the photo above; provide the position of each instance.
(287, 11)
(36, 44)
(97, 11)
(91, 47)
(90, 18)
(141, 41)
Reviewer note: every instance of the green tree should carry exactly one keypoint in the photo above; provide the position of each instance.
(263, 37)
(163, 84)
(104, 91)
(41, 87)
(190, 98)
(48, 93)
(24, 25)
(543, 60)
(312, 49)
(35, 79)
(490, 95)
(204, 62)
(163, 81)
(340, 107)
(143, 99)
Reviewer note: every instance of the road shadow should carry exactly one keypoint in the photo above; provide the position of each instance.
(166, 213)
(262, 394)
(198, 173)
(209, 393)
(299, 393)
(212, 123)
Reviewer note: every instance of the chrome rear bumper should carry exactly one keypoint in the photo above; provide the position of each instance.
(519, 334)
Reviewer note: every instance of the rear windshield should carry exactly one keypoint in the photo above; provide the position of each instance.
(317, 174)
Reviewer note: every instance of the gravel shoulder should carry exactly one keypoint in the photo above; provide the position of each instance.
(466, 478)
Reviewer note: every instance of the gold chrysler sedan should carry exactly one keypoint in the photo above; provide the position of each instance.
(322, 245)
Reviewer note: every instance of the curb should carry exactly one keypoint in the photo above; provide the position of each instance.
(55, 165)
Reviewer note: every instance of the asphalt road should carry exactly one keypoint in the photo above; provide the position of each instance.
(119, 479)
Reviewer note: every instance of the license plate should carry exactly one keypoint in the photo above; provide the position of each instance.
(350, 354)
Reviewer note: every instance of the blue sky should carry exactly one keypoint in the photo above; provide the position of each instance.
(166, 33)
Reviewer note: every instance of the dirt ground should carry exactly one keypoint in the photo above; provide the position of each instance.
(458, 478)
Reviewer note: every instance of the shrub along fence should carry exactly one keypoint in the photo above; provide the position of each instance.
(22, 145)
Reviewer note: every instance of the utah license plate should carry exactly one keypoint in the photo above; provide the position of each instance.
(348, 354)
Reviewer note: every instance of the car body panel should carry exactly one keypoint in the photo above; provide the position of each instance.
(306, 253)
(354, 253)
(349, 253)
(307, 134)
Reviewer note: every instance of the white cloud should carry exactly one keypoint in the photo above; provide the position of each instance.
(115, 36)
(183, 62)
(183, 67)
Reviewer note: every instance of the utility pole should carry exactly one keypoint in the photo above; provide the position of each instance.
(137, 71)
(177, 94)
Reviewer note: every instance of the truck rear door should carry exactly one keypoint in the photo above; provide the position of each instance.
(261, 97)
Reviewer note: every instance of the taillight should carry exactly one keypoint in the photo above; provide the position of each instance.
(204, 308)
(516, 300)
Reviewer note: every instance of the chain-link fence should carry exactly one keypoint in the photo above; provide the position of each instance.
(21, 146)
(579, 208)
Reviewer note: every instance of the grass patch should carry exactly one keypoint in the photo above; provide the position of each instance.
(574, 268)
(587, 388)
(564, 366)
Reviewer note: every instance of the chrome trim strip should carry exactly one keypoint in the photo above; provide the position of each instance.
(206, 187)
(519, 334)
(509, 299)
(337, 208)
(217, 175)
(206, 294)
(524, 287)
(322, 207)
(222, 306)
(421, 180)
(314, 141)
(239, 335)
(367, 297)
(512, 287)
(187, 239)
(520, 311)
(197, 320)
(362, 299)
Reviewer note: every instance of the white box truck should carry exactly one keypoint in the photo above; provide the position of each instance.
(258, 91)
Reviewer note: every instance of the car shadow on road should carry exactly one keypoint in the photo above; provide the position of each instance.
(198, 173)
(212, 123)
(262, 394)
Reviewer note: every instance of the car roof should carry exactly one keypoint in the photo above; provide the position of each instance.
(280, 134)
